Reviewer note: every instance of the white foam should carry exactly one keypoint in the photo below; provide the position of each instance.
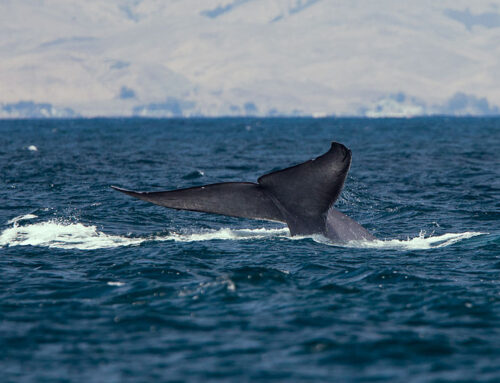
(21, 218)
(70, 235)
(229, 234)
(421, 242)
(32, 148)
(65, 235)
(112, 283)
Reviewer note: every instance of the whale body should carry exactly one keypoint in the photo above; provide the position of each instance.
(302, 196)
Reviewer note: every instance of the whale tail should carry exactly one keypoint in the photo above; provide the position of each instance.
(299, 196)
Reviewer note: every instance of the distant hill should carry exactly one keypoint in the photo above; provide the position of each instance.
(249, 57)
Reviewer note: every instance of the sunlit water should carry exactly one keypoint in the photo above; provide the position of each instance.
(97, 286)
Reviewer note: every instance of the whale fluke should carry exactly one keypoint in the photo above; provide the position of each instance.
(301, 196)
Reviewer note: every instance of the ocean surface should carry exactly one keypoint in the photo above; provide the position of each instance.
(96, 286)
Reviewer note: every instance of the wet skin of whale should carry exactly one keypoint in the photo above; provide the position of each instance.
(302, 196)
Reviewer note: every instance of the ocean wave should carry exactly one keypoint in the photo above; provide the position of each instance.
(70, 235)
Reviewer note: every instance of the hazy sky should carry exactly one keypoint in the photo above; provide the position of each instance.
(238, 57)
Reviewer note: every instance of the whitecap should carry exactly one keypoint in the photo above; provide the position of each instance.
(32, 148)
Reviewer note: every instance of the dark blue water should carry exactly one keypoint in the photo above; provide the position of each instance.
(98, 287)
